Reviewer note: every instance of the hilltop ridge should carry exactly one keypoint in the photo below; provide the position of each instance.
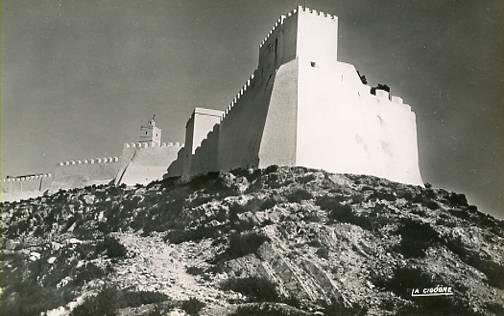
(274, 241)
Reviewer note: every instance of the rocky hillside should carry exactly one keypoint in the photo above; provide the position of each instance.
(278, 241)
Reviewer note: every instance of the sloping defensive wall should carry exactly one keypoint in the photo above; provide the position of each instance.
(145, 162)
(303, 107)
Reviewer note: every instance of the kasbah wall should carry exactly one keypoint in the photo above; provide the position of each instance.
(303, 107)
(25, 187)
(145, 162)
(140, 162)
(80, 173)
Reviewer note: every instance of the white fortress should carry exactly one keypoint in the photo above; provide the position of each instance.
(141, 162)
(303, 107)
(300, 107)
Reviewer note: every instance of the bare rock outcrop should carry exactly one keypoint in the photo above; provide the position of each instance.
(278, 241)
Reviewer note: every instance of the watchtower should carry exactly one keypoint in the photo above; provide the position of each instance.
(150, 133)
(301, 34)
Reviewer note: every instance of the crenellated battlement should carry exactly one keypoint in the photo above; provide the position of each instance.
(294, 13)
(318, 13)
(237, 97)
(152, 145)
(396, 99)
(25, 187)
(35, 177)
(93, 161)
(384, 95)
(279, 22)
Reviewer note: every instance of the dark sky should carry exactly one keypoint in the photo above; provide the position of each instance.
(79, 77)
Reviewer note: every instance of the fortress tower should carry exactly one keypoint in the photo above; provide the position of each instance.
(302, 106)
(150, 133)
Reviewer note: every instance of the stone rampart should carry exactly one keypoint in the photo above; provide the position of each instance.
(145, 162)
(24, 187)
(80, 173)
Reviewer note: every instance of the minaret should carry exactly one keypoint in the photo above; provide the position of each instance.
(150, 133)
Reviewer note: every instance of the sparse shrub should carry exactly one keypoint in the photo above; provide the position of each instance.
(269, 309)
(259, 289)
(158, 310)
(472, 208)
(456, 199)
(226, 184)
(460, 213)
(131, 204)
(431, 204)
(109, 299)
(443, 221)
(315, 243)
(404, 194)
(362, 78)
(202, 181)
(381, 86)
(113, 247)
(323, 253)
(306, 178)
(240, 224)
(493, 270)
(404, 279)
(426, 199)
(357, 198)
(343, 213)
(192, 306)
(495, 308)
(86, 250)
(383, 195)
(338, 308)
(89, 272)
(236, 209)
(271, 169)
(242, 172)
(29, 298)
(291, 300)
(439, 305)
(245, 243)
(329, 203)
(139, 298)
(105, 303)
(195, 270)
(311, 216)
(416, 237)
(177, 236)
(271, 201)
(299, 195)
